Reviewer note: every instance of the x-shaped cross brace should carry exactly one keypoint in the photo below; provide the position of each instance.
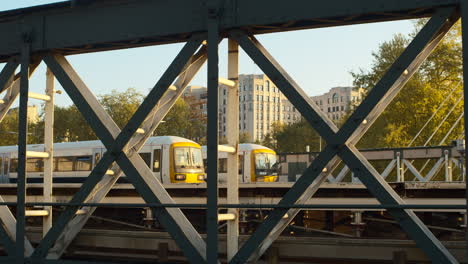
(118, 150)
(341, 142)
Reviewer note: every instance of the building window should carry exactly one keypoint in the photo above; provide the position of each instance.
(341, 98)
(258, 87)
(261, 87)
(321, 102)
(224, 91)
(335, 98)
(267, 84)
(328, 100)
(224, 101)
(329, 109)
(342, 108)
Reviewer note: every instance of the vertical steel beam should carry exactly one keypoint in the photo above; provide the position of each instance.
(464, 22)
(399, 167)
(49, 148)
(22, 142)
(232, 135)
(212, 133)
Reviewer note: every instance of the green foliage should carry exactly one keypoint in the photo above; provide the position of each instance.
(410, 109)
(69, 124)
(292, 138)
(420, 97)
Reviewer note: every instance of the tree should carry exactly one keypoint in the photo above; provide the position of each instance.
(421, 96)
(292, 137)
(121, 105)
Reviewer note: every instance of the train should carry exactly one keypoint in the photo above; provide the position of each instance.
(172, 160)
(256, 164)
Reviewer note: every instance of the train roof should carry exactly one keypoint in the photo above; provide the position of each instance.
(159, 140)
(246, 146)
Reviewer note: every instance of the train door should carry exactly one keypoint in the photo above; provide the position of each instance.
(158, 162)
(3, 168)
(97, 155)
(247, 166)
(165, 170)
(241, 167)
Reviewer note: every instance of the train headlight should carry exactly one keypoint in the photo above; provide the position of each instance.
(180, 177)
(201, 177)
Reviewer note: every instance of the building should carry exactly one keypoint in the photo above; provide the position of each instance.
(337, 102)
(260, 105)
(196, 97)
(33, 113)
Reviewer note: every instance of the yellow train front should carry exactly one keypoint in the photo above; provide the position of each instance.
(256, 164)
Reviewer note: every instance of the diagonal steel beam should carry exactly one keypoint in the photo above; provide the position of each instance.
(136, 143)
(12, 89)
(413, 170)
(385, 194)
(392, 81)
(388, 169)
(7, 243)
(7, 72)
(190, 242)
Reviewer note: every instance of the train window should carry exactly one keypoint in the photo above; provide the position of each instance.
(147, 158)
(64, 163)
(241, 164)
(83, 163)
(222, 165)
(1, 166)
(14, 165)
(157, 160)
(34, 165)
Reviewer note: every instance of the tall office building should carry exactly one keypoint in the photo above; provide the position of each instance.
(261, 104)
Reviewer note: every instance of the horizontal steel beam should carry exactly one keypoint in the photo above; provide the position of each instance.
(106, 25)
(133, 243)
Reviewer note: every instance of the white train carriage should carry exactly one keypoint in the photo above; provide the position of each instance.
(256, 164)
(172, 160)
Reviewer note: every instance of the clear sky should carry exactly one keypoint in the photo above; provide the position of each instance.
(317, 59)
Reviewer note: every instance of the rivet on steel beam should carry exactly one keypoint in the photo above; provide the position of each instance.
(364, 121)
(406, 72)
